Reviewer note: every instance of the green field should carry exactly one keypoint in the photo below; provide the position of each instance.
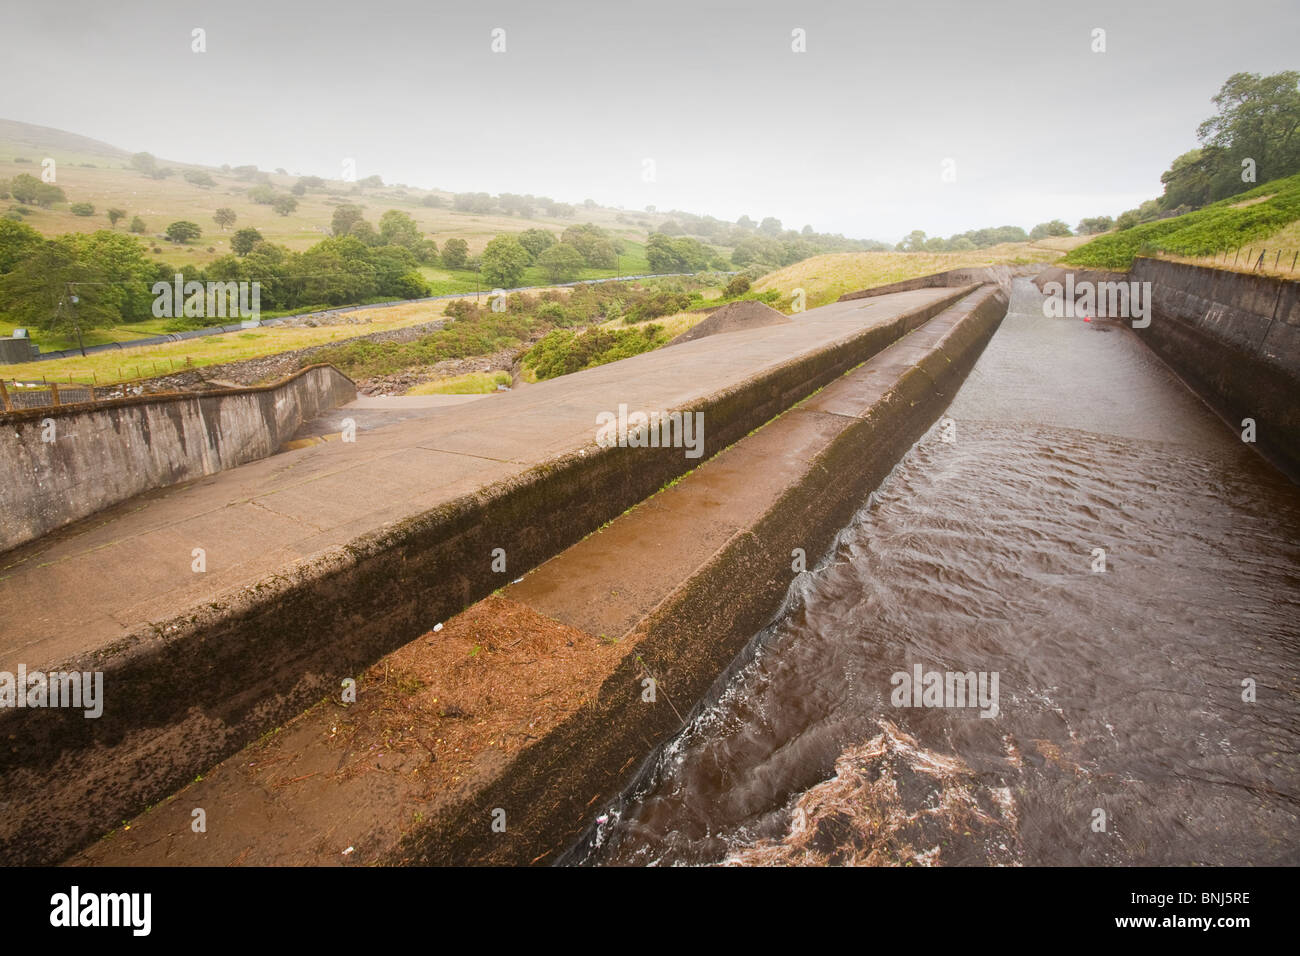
(1254, 217)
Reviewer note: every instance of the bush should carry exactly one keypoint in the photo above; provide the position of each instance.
(738, 285)
(82, 209)
(183, 231)
(562, 352)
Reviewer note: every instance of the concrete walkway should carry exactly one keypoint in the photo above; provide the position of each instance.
(375, 411)
(672, 588)
(105, 577)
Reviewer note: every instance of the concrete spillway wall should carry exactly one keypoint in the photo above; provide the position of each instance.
(863, 423)
(1233, 337)
(206, 682)
(673, 588)
(61, 463)
(976, 275)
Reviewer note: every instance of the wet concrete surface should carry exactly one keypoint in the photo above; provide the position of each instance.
(1148, 713)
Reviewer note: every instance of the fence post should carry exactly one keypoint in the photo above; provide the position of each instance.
(1294, 258)
(54, 392)
(4, 397)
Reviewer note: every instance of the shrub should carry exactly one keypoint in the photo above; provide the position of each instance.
(738, 285)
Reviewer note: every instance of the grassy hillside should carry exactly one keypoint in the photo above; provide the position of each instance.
(1264, 215)
(89, 171)
(825, 278)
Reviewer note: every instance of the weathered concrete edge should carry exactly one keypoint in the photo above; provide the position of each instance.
(131, 445)
(204, 683)
(155, 398)
(999, 274)
(696, 632)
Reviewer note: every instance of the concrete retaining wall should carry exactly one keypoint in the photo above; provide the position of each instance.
(58, 464)
(1232, 337)
(211, 679)
(880, 411)
(998, 275)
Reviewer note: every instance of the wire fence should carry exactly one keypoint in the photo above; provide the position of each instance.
(17, 396)
(1264, 260)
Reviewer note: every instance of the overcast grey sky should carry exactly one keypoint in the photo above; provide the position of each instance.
(849, 136)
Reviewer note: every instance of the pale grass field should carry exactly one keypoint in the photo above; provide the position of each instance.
(825, 278)
(111, 183)
(673, 325)
(1282, 259)
(129, 364)
(472, 383)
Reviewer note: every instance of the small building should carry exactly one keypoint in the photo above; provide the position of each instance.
(17, 348)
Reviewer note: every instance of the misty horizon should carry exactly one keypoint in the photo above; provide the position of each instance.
(850, 136)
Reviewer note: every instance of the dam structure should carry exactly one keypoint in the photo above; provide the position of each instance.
(490, 635)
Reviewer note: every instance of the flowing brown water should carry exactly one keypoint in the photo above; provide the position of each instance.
(1119, 691)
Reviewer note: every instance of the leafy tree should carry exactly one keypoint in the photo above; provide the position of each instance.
(455, 253)
(183, 231)
(344, 218)
(480, 203)
(122, 264)
(243, 241)
(82, 209)
(1188, 180)
(1045, 229)
(594, 244)
(137, 226)
(47, 195)
(146, 163)
(284, 204)
(914, 241)
(757, 250)
(262, 194)
(17, 241)
(536, 241)
(504, 262)
(1095, 224)
(115, 216)
(364, 232)
(1127, 219)
(36, 291)
(224, 217)
(1258, 118)
(561, 262)
(397, 228)
(26, 188)
(684, 254)
(738, 285)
